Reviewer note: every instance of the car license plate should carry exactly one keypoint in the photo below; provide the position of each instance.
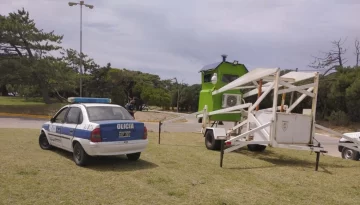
(124, 134)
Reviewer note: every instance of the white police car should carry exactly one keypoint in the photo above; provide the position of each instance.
(347, 153)
(94, 127)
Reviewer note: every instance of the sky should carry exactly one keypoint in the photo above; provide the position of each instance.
(177, 38)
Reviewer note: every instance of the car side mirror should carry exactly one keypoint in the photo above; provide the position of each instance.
(52, 119)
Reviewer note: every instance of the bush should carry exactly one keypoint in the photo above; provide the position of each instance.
(339, 118)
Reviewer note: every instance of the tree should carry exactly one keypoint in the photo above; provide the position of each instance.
(332, 59)
(190, 97)
(72, 58)
(357, 52)
(352, 95)
(99, 83)
(21, 37)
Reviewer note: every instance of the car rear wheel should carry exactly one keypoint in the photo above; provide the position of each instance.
(43, 142)
(80, 156)
(350, 154)
(133, 156)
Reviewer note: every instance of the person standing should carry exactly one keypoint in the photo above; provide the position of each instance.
(130, 107)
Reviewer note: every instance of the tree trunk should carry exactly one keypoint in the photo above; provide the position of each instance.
(45, 95)
(59, 97)
(4, 91)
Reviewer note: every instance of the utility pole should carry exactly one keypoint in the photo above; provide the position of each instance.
(91, 7)
(178, 94)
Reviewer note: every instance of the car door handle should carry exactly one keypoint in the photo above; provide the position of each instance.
(71, 131)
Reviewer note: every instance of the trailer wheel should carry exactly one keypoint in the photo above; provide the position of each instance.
(210, 141)
(350, 154)
(256, 147)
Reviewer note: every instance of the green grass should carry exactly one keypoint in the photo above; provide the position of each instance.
(179, 171)
(31, 106)
(20, 101)
(35, 108)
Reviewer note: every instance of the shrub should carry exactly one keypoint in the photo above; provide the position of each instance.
(339, 118)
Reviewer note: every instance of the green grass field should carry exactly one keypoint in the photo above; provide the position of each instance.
(35, 108)
(179, 171)
(29, 107)
(19, 101)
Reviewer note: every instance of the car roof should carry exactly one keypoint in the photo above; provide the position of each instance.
(96, 104)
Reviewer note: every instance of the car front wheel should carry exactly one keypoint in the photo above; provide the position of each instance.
(43, 142)
(350, 154)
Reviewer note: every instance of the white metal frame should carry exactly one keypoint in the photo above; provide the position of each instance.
(249, 110)
(274, 82)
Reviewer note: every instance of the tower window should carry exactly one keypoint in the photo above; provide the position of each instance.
(207, 78)
(227, 78)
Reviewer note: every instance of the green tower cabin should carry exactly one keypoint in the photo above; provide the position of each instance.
(225, 72)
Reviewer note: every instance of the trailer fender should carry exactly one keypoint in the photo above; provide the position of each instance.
(218, 132)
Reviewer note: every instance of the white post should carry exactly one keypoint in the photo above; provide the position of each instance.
(204, 117)
(313, 107)
(275, 100)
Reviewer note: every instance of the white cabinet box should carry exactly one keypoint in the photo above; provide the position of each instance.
(293, 128)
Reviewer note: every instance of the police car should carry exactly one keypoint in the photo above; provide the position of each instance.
(94, 127)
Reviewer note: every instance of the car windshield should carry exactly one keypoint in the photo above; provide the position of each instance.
(101, 113)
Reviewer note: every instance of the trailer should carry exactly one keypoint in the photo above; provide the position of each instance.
(276, 126)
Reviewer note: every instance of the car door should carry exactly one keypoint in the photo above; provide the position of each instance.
(73, 118)
(55, 128)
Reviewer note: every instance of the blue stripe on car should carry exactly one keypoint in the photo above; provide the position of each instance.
(46, 127)
(109, 131)
(83, 134)
(78, 133)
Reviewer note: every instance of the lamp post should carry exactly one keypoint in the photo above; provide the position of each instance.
(91, 7)
(178, 95)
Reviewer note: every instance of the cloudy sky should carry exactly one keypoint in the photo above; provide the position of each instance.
(177, 38)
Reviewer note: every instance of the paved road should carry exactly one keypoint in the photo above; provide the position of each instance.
(191, 126)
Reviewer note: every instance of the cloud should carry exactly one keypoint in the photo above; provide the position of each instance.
(177, 38)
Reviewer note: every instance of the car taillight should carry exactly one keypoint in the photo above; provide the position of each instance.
(95, 135)
(145, 133)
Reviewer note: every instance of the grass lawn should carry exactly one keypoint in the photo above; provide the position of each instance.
(35, 108)
(179, 171)
(19, 101)
(27, 108)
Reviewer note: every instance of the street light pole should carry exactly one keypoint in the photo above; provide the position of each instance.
(81, 69)
(91, 7)
(178, 95)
